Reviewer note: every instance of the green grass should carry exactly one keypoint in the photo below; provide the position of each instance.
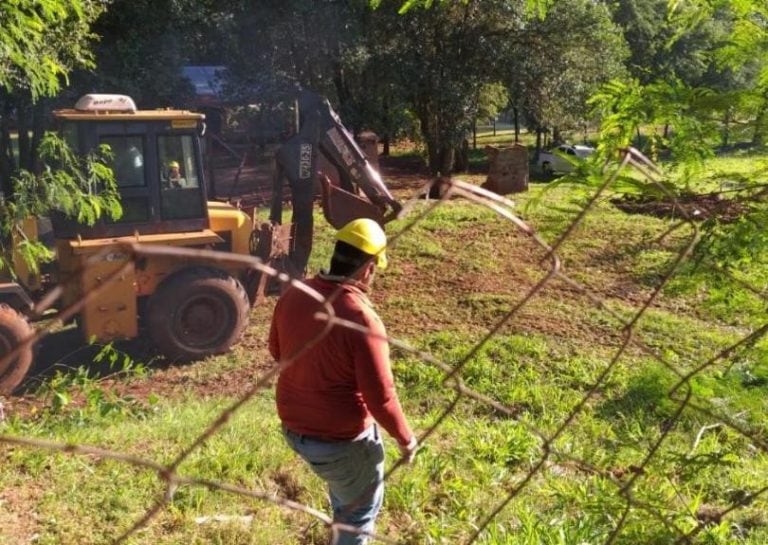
(583, 428)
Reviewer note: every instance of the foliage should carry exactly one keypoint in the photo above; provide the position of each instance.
(690, 117)
(626, 106)
(537, 7)
(553, 65)
(142, 49)
(66, 386)
(42, 41)
(738, 245)
(658, 49)
(542, 365)
(82, 188)
(299, 44)
(491, 100)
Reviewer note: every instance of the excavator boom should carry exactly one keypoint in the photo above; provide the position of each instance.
(320, 141)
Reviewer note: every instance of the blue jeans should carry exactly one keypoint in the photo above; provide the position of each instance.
(354, 471)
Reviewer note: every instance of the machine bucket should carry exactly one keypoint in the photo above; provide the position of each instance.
(272, 243)
(340, 206)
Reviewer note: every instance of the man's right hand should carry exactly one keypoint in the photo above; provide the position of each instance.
(408, 452)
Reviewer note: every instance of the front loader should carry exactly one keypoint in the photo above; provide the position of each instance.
(189, 308)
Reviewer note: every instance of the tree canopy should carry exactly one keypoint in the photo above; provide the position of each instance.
(392, 65)
(42, 42)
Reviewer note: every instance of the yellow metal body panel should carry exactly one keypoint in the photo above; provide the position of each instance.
(225, 218)
(109, 313)
(194, 238)
(112, 313)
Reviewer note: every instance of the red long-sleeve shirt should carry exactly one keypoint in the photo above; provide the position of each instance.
(336, 388)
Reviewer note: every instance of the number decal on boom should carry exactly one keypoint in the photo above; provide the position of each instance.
(305, 161)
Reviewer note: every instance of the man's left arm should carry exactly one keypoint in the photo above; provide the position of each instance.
(373, 372)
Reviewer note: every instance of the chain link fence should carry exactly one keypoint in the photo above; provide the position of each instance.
(626, 485)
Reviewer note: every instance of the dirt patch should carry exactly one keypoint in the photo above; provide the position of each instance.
(426, 297)
(164, 381)
(18, 514)
(693, 207)
(404, 175)
(289, 486)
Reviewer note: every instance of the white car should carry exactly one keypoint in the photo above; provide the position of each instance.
(561, 158)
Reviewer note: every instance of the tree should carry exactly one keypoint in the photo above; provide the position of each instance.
(556, 70)
(142, 48)
(748, 47)
(299, 43)
(41, 42)
(441, 57)
(491, 99)
(693, 114)
(656, 49)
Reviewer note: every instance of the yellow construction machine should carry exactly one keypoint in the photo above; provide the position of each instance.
(189, 307)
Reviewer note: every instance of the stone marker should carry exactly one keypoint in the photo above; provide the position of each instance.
(369, 143)
(507, 169)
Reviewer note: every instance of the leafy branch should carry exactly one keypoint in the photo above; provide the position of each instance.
(81, 188)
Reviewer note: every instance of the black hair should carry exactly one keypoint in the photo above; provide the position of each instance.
(347, 260)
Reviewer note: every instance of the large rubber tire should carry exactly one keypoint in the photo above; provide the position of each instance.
(197, 312)
(13, 330)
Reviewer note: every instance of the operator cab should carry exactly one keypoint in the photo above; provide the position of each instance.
(157, 162)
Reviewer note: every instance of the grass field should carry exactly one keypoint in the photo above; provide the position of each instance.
(593, 443)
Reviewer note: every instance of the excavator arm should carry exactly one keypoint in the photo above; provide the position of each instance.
(321, 140)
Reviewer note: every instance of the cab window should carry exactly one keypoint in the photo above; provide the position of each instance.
(128, 166)
(181, 193)
(127, 160)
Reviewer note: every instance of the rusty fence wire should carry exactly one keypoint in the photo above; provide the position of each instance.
(552, 453)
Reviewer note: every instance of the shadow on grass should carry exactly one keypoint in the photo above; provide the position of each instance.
(646, 397)
(64, 351)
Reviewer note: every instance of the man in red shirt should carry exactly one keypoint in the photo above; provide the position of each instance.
(338, 381)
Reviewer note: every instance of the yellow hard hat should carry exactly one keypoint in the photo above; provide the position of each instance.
(173, 164)
(367, 236)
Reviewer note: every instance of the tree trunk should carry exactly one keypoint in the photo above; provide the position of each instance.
(494, 126)
(342, 89)
(474, 134)
(758, 136)
(385, 139)
(447, 159)
(6, 151)
(430, 139)
(461, 161)
(39, 116)
(725, 135)
(556, 135)
(517, 124)
(538, 142)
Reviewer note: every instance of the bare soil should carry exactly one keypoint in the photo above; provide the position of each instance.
(18, 511)
(517, 256)
(691, 207)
